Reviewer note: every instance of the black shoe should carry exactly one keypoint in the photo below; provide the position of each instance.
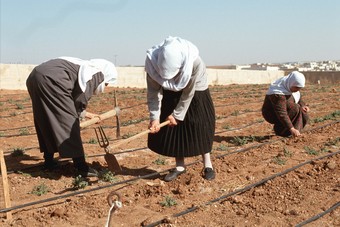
(209, 173)
(89, 172)
(50, 165)
(174, 173)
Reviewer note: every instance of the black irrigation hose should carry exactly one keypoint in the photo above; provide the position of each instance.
(10, 129)
(242, 190)
(219, 156)
(137, 149)
(142, 177)
(314, 218)
(235, 129)
(16, 114)
(80, 192)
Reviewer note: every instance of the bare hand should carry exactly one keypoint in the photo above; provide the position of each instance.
(91, 116)
(295, 132)
(305, 109)
(154, 126)
(173, 121)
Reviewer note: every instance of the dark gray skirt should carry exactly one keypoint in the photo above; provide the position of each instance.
(191, 137)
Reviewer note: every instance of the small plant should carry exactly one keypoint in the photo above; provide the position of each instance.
(19, 106)
(168, 202)
(24, 174)
(79, 182)
(311, 151)
(125, 136)
(17, 152)
(333, 142)
(107, 176)
(2, 134)
(260, 120)
(226, 127)
(278, 160)
(159, 161)
(222, 147)
(93, 141)
(40, 190)
(239, 141)
(131, 122)
(331, 116)
(24, 131)
(287, 153)
(235, 113)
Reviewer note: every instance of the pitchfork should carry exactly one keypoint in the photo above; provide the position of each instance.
(110, 158)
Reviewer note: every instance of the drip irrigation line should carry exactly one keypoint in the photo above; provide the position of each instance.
(316, 217)
(158, 173)
(236, 129)
(82, 192)
(218, 156)
(10, 129)
(242, 190)
(233, 104)
(17, 135)
(129, 107)
(7, 116)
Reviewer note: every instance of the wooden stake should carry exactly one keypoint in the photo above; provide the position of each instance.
(117, 117)
(5, 185)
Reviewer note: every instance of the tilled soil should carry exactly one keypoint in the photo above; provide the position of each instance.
(262, 179)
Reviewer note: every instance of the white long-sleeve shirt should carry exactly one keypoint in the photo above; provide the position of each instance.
(197, 82)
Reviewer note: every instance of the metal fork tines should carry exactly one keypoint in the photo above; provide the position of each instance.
(101, 137)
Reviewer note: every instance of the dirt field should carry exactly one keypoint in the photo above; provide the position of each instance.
(262, 179)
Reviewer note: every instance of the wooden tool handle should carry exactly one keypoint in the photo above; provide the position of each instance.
(124, 141)
(5, 184)
(101, 117)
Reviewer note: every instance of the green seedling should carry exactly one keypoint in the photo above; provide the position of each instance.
(79, 183)
(24, 131)
(19, 106)
(235, 113)
(226, 127)
(238, 141)
(222, 147)
(287, 153)
(168, 202)
(40, 190)
(107, 176)
(278, 160)
(93, 141)
(24, 174)
(159, 161)
(125, 136)
(311, 151)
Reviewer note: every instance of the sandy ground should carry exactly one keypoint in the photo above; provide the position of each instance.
(262, 179)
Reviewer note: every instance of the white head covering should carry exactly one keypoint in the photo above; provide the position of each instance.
(90, 67)
(171, 62)
(282, 85)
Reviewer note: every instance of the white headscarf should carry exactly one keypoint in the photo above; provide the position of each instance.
(282, 85)
(171, 62)
(90, 67)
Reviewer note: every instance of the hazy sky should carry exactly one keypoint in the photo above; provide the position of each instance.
(225, 31)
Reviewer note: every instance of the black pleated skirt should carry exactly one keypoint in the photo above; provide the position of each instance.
(191, 137)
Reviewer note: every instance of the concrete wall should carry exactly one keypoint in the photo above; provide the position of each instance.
(13, 76)
(322, 77)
